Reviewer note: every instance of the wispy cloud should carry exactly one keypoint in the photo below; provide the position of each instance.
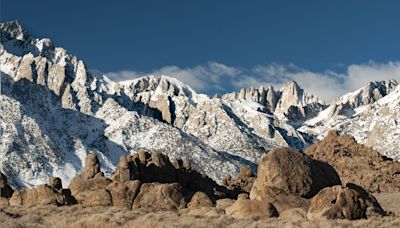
(218, 78)
(204, 78)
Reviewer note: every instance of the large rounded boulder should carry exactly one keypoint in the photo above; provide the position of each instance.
(160, 197)
(200, 199)
(281, 199)
(293, 172)
(339, 202)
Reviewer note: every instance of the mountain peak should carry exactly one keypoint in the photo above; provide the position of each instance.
(291, 85)
(368, 94)
(156, 85)
(14, 30)
(166, 82)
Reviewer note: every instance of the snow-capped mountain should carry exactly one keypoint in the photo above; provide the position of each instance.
(348, 106)
(54, 111)
(290, 103)
(370, 114)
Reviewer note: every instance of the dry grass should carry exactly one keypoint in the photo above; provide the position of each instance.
(79, 216)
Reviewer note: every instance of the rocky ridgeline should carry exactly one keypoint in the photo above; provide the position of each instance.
(288, 184)
(291, 102)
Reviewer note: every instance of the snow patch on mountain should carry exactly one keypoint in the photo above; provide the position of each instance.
(54, 111)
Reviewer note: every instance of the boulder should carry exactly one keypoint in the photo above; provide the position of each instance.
(281, 199)
(94, 198)
(122, 172)
(79, 184)
(5, 190)
(200, 199)
(251, 209)
(160, 196)
(242, 183)
(91, 168)
(16, 199)
(39, 196)
(89, 187)
(339, 202)
(156, 167)
(243, 196)
(224, 203)
(123, 193)
(68, 197)
(245, 172)
(4, 202)
(90, 180)
(55, 183)
(143, 156)
(379, 173)
(294, 172)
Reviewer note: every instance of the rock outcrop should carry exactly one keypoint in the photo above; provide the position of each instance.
(146, 181)
(46, 194)
(293, 172)
(123, 193)
(276, 191)
(288, 179)
(281, 199)
(224, 203)
(338, 202)
(157, 167)
(242, 183)
(94, 198)
(379, 173)
(159, 196)
(89, 187)
(200, 199)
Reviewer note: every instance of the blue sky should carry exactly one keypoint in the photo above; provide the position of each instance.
(220, 46)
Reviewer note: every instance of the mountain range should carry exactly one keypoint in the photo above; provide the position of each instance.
(54, 111)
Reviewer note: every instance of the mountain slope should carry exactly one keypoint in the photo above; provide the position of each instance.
(54, 111)
(369, 114)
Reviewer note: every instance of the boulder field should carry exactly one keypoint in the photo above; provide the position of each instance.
(288, 184)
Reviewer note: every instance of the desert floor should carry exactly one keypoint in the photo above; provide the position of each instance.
(79, 216)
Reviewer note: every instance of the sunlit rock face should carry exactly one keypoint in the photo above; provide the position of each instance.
(54, 111)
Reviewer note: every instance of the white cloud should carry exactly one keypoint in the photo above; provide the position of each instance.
(359, 75)
(204, 78)
(219, 78)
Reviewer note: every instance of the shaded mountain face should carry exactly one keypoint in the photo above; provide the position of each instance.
(54, 111)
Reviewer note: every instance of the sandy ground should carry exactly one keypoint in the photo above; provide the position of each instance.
(78, 216)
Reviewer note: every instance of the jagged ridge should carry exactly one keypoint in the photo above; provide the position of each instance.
(54, 111)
